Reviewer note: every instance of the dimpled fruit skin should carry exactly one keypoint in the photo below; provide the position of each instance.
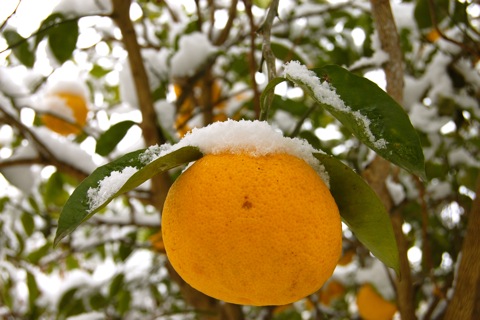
(79, 110)
(252, 230)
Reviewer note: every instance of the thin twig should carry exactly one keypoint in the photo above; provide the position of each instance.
(251, 58)
(9, 16)
(267, 53)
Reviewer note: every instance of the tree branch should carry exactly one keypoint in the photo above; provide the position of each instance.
(465, 301)
(150, 130)
(380, 168)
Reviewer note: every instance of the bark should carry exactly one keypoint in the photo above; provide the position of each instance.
(377, 172)
(150, 130)
(465, 303)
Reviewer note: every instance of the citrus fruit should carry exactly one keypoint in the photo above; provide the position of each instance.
(372, 306)
(199, 97)
(68, 106)
(256, 230)
(332, 291)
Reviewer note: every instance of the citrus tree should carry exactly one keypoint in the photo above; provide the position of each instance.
(239, 159)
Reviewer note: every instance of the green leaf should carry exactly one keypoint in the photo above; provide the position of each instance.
(49, 22)
(70, 304)
(362, 211)
(422, 12)
(28, 223)
(264, 107)
(107, 142)
(372, 116)
(62, 39)
(99, 72)
(33, 291)
(77, 208)
(286, 52)
(116, 285)
(21, 48)
(262, 3)
(35, 256)
(54, 191)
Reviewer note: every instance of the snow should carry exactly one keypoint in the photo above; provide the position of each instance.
(377, 274)
(460, 157)
(108, 186)
(83, 7)
(65, 150)
(51, 102)
(256, 138)
(194, 50)
(439, 189)
(325, 93)
(397, 193)
(72, 87)
(378, 58)
(426, 119)
(23, 177)
(57, 106)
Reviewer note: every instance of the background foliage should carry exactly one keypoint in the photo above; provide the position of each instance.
(114, 265)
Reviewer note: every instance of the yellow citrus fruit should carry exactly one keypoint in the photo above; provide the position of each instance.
(331, 292)
(79, 109)
(198, 97)
(372, 306)
(252, 230)
(346, 258)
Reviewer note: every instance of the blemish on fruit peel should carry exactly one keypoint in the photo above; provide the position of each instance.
(325, 93)
(257, 138)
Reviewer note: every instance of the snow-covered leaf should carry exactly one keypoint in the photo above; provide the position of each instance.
(366, 110)
(362, 211)
(113, 179)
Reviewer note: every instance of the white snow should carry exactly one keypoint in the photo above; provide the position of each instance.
(58, 107)
(439, 189)
(377, 274)
(83, 7)
(108, 186)
(461, 156)
(378, 58)
(426, 119)
(256, 138)
(65, 150)
(326, 94)
(396, 190)
(23, 177)
(72, 87)
(194, 49)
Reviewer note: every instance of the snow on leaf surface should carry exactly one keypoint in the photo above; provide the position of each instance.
(325, 93)
(366, 110)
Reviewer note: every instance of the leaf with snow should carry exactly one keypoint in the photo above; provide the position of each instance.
(366, 110)
(362, 211)
(114, 179)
